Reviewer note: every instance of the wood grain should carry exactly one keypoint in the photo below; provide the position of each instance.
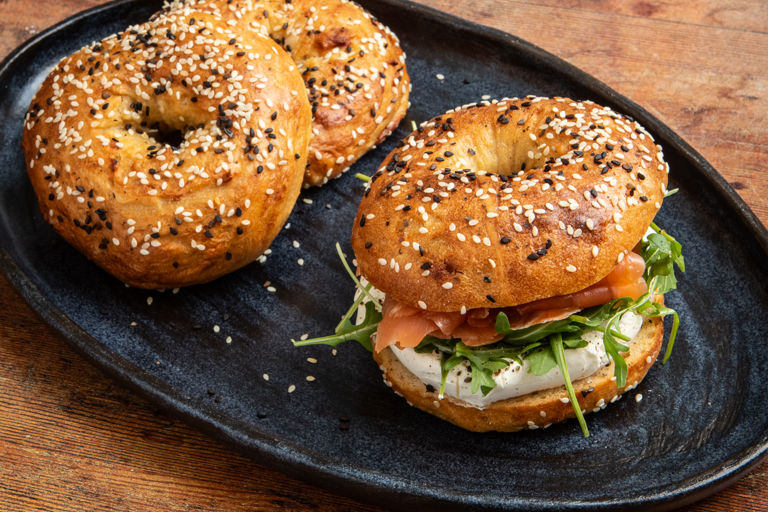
(73, 440)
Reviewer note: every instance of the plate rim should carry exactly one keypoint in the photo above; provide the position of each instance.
(363, 484)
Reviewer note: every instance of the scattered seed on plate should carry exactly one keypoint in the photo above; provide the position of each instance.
(312, 360)
(291, 388)
(440, 76)
(229, 340)
(638, 397)
(310, 378)
(149, 300)
(216, 328)
(265, 376)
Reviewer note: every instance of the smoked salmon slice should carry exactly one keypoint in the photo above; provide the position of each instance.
(407, 326)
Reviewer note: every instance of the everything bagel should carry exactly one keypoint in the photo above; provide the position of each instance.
(354, 71)
(545, 196)
(173, 152)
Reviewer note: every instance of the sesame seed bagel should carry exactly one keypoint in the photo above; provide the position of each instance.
(173, 152)
(533, 410)
(508, 202)
(354, 71)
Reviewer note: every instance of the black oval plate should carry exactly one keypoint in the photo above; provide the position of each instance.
(702, 423)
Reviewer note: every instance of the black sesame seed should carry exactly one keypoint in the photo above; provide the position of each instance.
(490, 298)
(505, 240)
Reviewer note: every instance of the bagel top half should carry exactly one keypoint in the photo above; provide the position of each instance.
(508, 202)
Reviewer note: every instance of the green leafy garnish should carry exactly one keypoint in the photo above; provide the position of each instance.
(345, 329)
(558, 351)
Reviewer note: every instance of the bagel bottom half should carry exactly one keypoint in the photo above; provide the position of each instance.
(534, 410)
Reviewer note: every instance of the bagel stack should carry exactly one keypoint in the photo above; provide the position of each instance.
(502, 204)
(172, 153)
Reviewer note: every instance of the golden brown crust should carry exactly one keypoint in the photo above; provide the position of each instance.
(153, 215)
(355, 74)
(451, 221)
(534, 410)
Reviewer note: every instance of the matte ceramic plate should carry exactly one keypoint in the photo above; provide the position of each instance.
(703, 420)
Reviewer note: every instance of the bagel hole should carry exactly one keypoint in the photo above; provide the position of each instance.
(167, 135)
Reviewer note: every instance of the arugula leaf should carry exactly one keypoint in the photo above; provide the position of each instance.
(542, 360)
(347, 331)
(364, 290)
(556, 344)
(661, 253)
(447, 363)
(532, 333)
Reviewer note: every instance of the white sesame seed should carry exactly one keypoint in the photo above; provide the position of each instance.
(291, 388)
(448, 285)
(570, 268)
(422, 304)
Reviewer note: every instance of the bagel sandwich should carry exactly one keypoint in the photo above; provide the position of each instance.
(511, 272)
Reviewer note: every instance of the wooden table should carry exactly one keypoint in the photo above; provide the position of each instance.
(71, 439)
